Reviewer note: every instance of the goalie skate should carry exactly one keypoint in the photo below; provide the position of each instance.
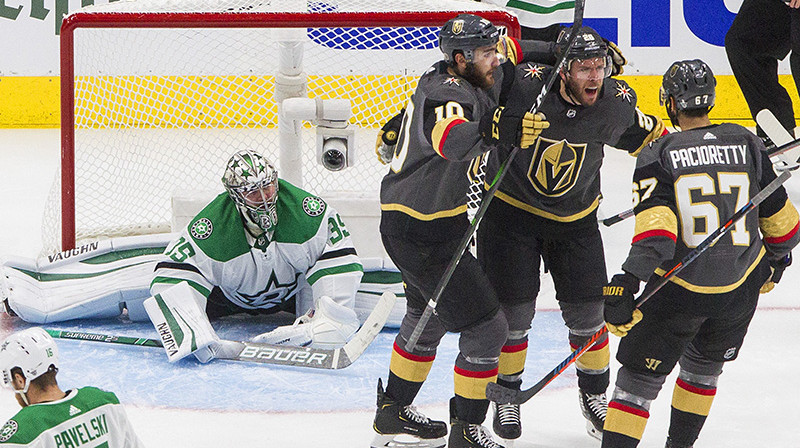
(399, 426)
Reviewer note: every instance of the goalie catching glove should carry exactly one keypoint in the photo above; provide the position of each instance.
(777, 266)
(327, 325)
(387, 138)
(620, 310)
(511, 128)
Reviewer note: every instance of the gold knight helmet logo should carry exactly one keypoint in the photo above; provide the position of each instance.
(458, 26)
(555, 166)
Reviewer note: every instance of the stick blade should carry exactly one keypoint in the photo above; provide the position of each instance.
(367, 333)
(780, 136)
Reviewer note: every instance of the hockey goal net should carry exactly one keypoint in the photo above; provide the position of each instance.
(157, 94)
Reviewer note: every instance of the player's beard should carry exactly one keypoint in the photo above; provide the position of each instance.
(575, 89)
(477, 79)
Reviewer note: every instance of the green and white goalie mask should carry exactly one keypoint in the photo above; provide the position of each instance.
(252, 184)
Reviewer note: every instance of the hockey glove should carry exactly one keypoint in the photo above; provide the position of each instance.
(508, 50)
(387, 138)
(501, 126)
(620, 311)
(777, 266)
(617, 59)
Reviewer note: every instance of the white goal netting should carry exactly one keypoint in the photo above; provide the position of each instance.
(159, 94)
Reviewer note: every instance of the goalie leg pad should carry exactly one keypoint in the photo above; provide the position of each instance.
(328, 325)
(181, 323)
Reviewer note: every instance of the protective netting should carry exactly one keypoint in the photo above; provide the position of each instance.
(159, 109)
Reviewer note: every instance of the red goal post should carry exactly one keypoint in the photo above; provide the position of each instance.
(168, 118)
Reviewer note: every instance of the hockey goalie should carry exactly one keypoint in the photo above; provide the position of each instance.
(262, 246)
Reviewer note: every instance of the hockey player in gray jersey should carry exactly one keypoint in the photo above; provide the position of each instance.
(264, 246)
(51, 417)
(545, 210)
(683, 185)
(452, 117)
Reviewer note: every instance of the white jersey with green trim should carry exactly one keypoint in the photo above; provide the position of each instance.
(86, 418)
(539, 13)
(310, 253)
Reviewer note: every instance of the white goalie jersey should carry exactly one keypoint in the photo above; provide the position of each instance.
(311, 255)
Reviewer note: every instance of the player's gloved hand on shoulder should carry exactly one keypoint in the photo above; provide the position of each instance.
(617, 58)
(508, 49)
(387, 138)
(512, 128)
(620, 311)
(777, 265)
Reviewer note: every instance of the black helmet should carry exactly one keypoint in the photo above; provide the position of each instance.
(465, 33)
(589, 44)
(691, 83)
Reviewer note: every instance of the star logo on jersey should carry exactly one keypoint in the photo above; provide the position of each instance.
(73, 410)
(201, 229)
(452, 81)
(8, 430)
(624, 91)
(533, 71)
(313, 206)
(273, 293)
(555, 166)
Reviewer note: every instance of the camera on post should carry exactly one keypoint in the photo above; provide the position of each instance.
(335, 148)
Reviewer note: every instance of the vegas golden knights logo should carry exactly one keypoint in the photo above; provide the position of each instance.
(555, 166)
(458, 26)
(652, 363)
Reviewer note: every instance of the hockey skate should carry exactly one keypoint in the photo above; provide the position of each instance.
(393, 419)
(594, 408)
(507, 424)
(466, 435)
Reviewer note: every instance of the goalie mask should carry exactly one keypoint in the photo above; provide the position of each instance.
(33, 351)
(465, 33)
(252, 184)
(691, 83)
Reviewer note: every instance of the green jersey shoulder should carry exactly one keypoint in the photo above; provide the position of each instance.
(219, 232)
(61, 419)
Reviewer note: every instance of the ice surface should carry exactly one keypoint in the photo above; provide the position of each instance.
(229, 404)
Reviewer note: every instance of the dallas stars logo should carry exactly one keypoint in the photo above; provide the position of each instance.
(8, 430)
(452, 81)
(313, 206)
(624, 91)
(533, 71)
(202, 229)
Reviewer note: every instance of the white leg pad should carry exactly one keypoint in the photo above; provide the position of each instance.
(328, 325)
(181, 323)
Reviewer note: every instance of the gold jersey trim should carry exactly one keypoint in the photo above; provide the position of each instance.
(781, 223)
(424, 216)
(714, 289)
(538, 212)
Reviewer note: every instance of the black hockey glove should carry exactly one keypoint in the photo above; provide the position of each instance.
(511, 128)
(617, 58)
(620, 311)
(777, 265)
(387, 138)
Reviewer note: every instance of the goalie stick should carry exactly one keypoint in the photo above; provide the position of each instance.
(500, 394)
(487, 198)
(276, 354)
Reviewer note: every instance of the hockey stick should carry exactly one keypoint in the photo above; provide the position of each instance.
(487, 198)
(500, 394)
(766, 120)
(276, 354)
(619, 217)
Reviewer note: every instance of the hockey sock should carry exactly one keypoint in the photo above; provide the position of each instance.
(691, 403)
(407, 372)
(512, 360)
(592, 366)
(625, 423)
